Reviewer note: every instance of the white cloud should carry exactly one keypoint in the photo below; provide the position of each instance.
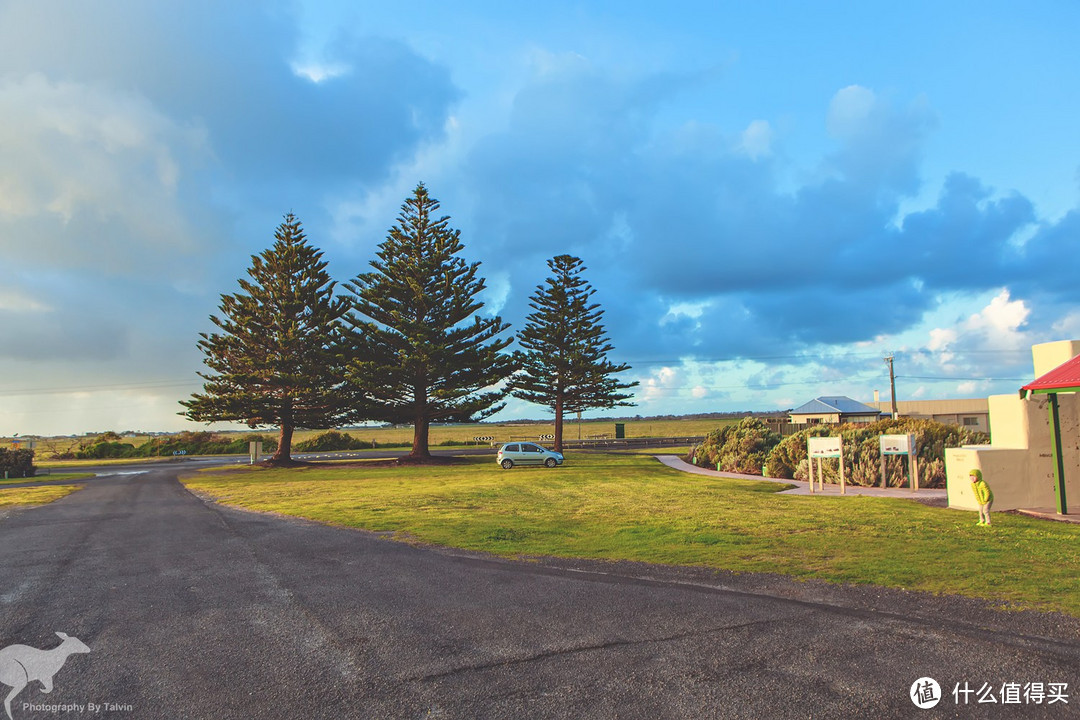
(941, 338)
(91, 174)
(756, 139)
(1000, 322)
(318, 72)
(18, 301)
(691, 310)
(661, 385)
(495, 294)
(849, 110)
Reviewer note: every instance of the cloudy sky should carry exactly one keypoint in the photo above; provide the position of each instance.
(769, 197)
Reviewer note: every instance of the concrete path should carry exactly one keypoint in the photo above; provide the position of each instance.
(195, 610)
(803, 487)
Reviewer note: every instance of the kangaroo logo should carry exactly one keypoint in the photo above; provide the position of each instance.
(21, 664)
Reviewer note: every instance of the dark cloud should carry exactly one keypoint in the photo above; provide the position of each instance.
(668, 215)
(264, 121)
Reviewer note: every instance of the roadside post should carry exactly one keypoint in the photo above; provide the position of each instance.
(255, 449)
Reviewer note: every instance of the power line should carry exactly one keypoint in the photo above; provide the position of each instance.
(150, 385)
(938, 377)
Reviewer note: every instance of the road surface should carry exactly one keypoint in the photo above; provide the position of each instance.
(193, 610)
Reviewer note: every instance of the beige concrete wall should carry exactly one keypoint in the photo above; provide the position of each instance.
(1012, 420)
(1047, 356)
(1006, 471)
(1018, 465)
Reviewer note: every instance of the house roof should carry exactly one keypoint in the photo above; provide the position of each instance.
(835, 404)
(1065, 376)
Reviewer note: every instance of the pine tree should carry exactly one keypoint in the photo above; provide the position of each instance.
(418, 350)
(277, 360)
(565, 365)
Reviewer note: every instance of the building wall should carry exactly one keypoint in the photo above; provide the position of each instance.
(1047, 356)
(972, 413)
(1018, 464)
(812, 419)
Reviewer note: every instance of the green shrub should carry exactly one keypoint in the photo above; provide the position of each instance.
(17, 463)
(105, 449)
(862, 455)
(202, 443)
(330, 441)
(742, 447)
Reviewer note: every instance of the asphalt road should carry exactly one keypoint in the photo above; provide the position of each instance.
(192, 610)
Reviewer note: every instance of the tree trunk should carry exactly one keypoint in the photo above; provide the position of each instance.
(558, 423)
(420, 439)
(283, 454)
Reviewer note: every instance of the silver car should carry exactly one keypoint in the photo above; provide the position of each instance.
(527, 453)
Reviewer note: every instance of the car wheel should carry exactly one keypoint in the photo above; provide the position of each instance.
(550, 462)
(507, 464)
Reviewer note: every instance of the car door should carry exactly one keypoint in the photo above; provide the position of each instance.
(531, 454)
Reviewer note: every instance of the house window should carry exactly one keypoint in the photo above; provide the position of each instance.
(971, 421)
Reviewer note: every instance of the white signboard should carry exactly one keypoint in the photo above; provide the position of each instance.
(896, 444)
(823, 447)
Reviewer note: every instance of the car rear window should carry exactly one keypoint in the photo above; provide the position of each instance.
(512, 448)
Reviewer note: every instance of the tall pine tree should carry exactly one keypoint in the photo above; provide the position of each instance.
(419, 351)
(564, 364)
(277, 360)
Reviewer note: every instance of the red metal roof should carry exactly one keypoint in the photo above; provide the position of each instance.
(1065, 376)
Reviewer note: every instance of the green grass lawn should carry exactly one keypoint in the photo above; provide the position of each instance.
(629, 507)
(47, 478)
(34, 495)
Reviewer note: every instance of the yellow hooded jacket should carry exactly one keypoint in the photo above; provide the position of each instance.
(983, 493)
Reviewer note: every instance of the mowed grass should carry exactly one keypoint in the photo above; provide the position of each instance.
(47, 478)
(629, 507)
(34, 495)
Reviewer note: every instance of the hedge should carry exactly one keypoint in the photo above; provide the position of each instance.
(748, 445)
(17, 463)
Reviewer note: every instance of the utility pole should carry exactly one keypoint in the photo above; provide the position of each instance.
(892, 385)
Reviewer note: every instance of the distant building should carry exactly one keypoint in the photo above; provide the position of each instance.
(973, 413)
(834, 409)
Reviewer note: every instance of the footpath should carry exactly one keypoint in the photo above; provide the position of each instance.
(802, 487)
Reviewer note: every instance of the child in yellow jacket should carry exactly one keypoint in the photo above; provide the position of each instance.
(984, 496)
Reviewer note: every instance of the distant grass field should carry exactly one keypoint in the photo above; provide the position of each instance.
(629, 507)
(10, 496)
(46, 450)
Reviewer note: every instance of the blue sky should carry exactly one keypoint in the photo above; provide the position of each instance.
(769, 197)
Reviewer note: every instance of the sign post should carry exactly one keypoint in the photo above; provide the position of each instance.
(255, 449)
(901, 445)
(821, 448)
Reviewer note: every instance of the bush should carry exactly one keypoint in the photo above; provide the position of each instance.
(17, 463)
(862, 454)
(330, 441)
(105, 449)
(742, 447)
(202, 443)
